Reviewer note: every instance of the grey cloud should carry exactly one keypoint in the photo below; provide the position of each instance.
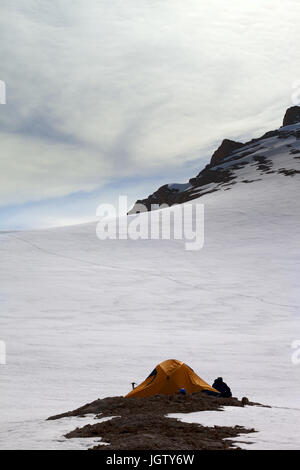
(105, 90)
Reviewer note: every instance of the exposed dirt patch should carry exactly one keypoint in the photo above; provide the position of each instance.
(141, 423)
(140, 432)
(263, 164)
(250, 181)
(291, 172)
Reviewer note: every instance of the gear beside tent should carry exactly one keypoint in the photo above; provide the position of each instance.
(169, 377)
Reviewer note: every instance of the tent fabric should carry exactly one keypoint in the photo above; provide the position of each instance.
(169, 377)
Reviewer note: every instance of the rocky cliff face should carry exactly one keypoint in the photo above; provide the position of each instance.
(225, 149)
(292, 116)
(257, 156)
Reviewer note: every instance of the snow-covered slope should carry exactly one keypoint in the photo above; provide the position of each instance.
(83, 318)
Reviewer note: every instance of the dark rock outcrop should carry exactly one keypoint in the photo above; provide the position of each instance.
(225, 149)
(164, 195)
(292, 116)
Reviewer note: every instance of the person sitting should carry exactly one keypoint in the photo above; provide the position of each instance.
(222, 387)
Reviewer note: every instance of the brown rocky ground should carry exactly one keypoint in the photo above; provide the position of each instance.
(141, 424)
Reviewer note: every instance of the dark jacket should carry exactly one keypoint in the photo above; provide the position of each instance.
(222, 387)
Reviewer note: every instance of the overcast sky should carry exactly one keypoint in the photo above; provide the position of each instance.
(120, 96)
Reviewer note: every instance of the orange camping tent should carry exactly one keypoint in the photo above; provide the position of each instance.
(169, 377)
